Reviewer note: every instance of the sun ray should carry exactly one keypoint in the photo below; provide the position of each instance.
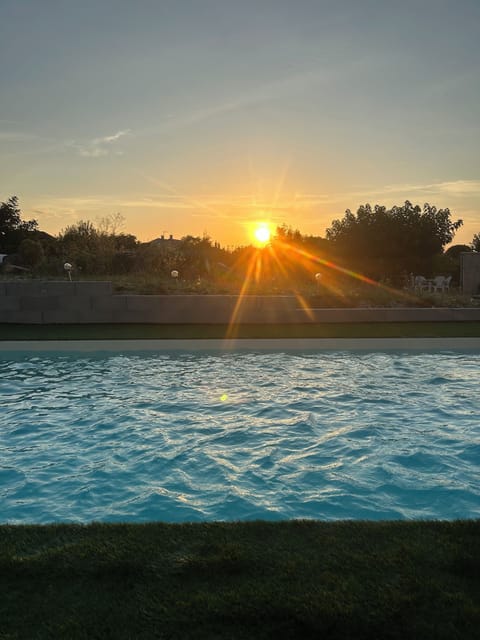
(349, 272)
(243, 292)
(303, 303)
(194, 202)
(288, 259)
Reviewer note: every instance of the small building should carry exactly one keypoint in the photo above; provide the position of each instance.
(470, 272)
(165, 242)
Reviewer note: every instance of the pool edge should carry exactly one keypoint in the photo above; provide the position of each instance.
(246, 344)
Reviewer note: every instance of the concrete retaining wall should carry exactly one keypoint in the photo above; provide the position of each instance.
(36, 302)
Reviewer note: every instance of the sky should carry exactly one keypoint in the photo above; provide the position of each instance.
(201, 116)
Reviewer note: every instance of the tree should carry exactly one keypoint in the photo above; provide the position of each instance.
(383, 242)
(111, 224)
(456, 250)
(31, 252)
(448, 264)
(196, 256)
(476, 242)
(12, 228)
(99, 251)
(299, 257)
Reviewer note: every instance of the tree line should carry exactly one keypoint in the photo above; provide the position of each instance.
(377, 242)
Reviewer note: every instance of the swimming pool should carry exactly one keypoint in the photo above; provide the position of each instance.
(177, 436)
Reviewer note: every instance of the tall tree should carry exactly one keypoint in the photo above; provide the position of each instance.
(476, 242)
(12, 228)
(383, 242)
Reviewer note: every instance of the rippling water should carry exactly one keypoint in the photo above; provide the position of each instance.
(233, 436)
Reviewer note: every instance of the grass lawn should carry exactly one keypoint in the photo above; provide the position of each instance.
(294, 579)
(186, 331)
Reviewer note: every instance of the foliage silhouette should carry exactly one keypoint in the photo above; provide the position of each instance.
(383, 242)
(12, 228)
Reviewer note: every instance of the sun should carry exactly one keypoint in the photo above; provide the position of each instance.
(261, 233)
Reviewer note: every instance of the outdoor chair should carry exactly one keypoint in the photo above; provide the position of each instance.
(421, 283)
(441, 283)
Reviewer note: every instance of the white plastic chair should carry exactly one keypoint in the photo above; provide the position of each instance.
(421, 283)
(441, 283)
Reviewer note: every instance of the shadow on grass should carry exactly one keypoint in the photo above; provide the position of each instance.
(241, 580)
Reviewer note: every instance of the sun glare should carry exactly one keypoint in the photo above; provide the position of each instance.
(261, 233)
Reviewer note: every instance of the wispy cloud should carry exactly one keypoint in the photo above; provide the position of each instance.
(314, 210)
(35, 144)
(98, 147)
(253, 96)
(17, 136)
(460, 187)
(18, 142)
(453, 188)
(114, 138)
(73, 208)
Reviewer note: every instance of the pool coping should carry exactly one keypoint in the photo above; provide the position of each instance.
(246, 344)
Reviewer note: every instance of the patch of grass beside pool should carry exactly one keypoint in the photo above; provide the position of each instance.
(206, 331)
(297, 579)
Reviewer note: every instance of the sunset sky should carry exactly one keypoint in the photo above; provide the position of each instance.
(199, 116)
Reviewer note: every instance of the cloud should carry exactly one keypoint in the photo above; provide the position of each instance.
(17, 136)
(460, 187)
(311, 201)
(273, 90)
(36, 147)
(40, 144)
(308, 206)
(454, 188)
(65, 209)
(24, 142)
(98, 147)
(57, 208)
(227, 205)
(114, 138)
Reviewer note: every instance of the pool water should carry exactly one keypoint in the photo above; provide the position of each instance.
(235, 436)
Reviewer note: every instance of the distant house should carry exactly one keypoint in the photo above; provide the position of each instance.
(165, 242)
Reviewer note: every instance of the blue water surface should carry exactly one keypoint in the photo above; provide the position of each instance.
(238, 436)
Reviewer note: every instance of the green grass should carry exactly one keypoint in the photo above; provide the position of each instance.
(204, 331)
(296, 579)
